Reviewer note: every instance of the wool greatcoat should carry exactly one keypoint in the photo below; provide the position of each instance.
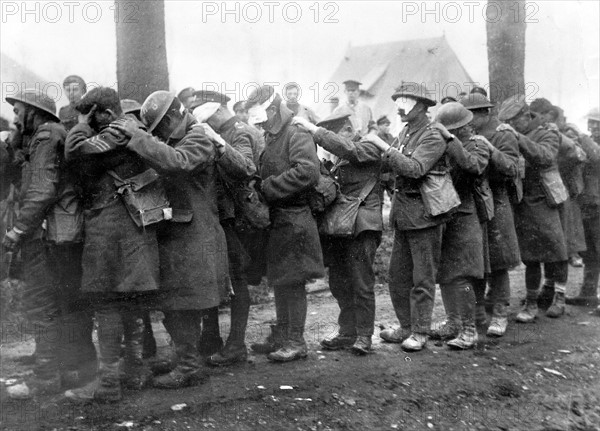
(289, 168)
(193, 252)
(504, 160)
(538, 226)
(462, 240)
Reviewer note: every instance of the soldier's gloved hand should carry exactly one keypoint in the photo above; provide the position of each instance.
(11, 240)
(553, 127)
(127, 126)
(304, 123)
(504, 126)
(443, 131)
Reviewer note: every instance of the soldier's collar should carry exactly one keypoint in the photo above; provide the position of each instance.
(227, 124)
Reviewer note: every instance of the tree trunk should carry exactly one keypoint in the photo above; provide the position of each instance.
(506, 25)
(141, 50)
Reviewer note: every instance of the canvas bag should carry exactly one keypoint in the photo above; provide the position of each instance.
(554, 188)
(438, 193)
(340, 218)
(252, 211)
(144, 197)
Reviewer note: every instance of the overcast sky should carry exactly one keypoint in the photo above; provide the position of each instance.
(284, 43)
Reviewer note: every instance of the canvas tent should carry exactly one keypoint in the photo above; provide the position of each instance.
(383, 67)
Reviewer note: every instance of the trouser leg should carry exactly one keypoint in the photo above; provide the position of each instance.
(500, 289)
(591, 257)
(184, 327)
(297, 308)
(426, 246)
(110, 334)
(533, 277)
(340, 284)
(401, 278)
(361, 258)
(282, 311)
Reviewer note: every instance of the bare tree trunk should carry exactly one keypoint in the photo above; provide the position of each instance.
(141, 50)
(506, 25)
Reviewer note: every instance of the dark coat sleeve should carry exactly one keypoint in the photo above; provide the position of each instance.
(431, 148)
(194, 151)
(543, 151)
(76, 141)
(472, 156)
(505, 157)
(42, 190)
(355, 152)
(591, 148)
(302, 174)
(237, 161)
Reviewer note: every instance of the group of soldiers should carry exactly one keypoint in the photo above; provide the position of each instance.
(125, 208)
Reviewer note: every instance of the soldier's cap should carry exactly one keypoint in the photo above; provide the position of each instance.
(335, 122)
(335, 99)
(594, 114)
(541, 105)
(130, 106)
(260, 95)
(185, 93)
(206, 96)
(351, 83)
(512, 107)
(75, 79)
(383, 120)
(479, 90)
(447, 99)
(475, 101)
(103, 97)
(37, 99)
(414, 91)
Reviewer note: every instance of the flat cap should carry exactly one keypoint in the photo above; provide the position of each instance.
(541, 105)
(512, 107)
(336, 121)
(383, 120)
(260, 95)
(351, 83)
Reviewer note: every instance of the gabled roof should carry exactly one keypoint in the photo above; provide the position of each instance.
(383, 67)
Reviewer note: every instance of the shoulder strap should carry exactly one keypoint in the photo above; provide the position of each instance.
(367, 188)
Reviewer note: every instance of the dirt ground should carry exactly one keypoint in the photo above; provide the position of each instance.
(542, 376)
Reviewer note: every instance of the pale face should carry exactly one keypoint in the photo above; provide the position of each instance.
(19, 111)
(291, 94)
(74, 92)
(352, 94)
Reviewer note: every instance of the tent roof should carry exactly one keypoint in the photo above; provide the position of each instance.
(383, 67)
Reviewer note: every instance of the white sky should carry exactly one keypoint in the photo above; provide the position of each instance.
(562, 54)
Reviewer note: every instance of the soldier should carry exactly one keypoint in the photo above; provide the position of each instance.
(192, 247)
(61, 324)
(240, 111)
(362, 113)
(237, 153)
(383, 124)
(539, 231)
(419, 149)
(289, 168)
(501, 234)
(351, 275)
(75, 88)
(589, 201)
(120, 280)
(291, 93)
(462, 263)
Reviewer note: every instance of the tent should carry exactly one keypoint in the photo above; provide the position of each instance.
(383, 67)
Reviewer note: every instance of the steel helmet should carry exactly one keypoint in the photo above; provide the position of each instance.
(130, 106)
(594, 114)
(476, 101)
(155, 107)
(453, 115)
(37, 99)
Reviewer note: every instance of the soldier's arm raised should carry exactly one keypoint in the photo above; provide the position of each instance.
(431, 148)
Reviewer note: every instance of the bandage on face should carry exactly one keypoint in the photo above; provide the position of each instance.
(405, 105)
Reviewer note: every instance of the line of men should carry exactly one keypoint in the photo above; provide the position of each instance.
(105, 261)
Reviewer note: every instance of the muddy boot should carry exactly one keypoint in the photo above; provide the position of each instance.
(295, 347)
(499, 321)
(451, 327)
(235, 348)
(557, 308)
(467, 338)
(530, 309)
(395, 335)
(546, 296)
(183, 327)
(273, 341)
(136, 375)
(339, 341)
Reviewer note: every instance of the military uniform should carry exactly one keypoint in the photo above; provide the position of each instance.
(361, 115)
(69, 116)
(418, 236)
(51, 270)
(350, 260)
